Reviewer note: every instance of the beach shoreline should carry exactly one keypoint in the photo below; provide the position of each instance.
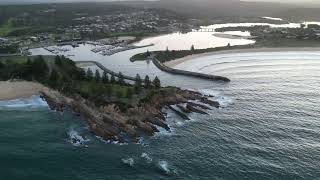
(10, 90)
(176, 62)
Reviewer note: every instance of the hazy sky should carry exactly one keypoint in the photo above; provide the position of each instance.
(52, 1)
(287, 1)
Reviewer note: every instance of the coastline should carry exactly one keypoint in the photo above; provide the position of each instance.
(176, 62)
(19, 89)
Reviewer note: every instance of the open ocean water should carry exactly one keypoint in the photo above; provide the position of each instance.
(268, 128)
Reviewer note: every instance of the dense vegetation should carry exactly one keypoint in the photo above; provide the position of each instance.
(168, 55)
(62, 74)
(11, 49)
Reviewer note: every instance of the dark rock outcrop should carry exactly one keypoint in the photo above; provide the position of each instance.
(181, 114)
(194, 109)
(110, 123)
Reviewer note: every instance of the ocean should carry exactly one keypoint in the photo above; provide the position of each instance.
(268, 128)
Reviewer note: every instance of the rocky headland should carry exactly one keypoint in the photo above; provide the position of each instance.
(110, 123)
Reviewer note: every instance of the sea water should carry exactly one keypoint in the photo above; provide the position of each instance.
(268, 128)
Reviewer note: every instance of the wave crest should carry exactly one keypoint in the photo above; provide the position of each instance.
(76, 139)
(32, 102)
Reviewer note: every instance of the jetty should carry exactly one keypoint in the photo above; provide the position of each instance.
(167, 69)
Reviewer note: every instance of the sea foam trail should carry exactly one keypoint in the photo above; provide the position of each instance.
(32, 102)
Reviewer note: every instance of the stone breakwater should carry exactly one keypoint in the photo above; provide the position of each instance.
(111, 124)
(165, 68)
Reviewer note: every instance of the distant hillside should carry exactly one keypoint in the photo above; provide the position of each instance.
(214, 8)
(234, 8)
(209, 8)
(310, 14)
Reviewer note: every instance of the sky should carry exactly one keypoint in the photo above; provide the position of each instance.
(287, 1)
(53, 1)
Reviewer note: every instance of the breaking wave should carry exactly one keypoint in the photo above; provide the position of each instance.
(146, 157)
(110, 141)
(164, 167)
(217, 96)
(76, 139)
(32, 102)
(128, 161)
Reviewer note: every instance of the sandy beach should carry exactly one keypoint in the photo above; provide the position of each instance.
(191, 57)
(84, 64)
(20, 89)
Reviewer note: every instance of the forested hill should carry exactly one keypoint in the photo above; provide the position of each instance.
(213, 8)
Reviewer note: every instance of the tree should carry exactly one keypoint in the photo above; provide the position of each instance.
(105, 78)
(109, 90)
(112, 79)
(192, 48)
(229, 45)
(40, 69)
(148, 54)
(29, 62)
(129, 93)
(97, 76)
(119, 93)
(89, 74)
(82, 74)
(156, 82)
(58, 61)
(138, 83)
(167, 53)
(173, 54)
(53, 79)
(121, 79)
(147, 82)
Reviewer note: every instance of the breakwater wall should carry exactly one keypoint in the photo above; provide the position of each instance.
(165, 68)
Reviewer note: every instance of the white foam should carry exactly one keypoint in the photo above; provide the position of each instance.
(128, 161)
(110, 141)
(163, 132)
(179, 123)
(146, 157)
(223, 100)
(32, 102)
(164, 166)
(76, 139)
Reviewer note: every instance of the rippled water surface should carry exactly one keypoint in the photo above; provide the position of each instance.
(268, 127)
